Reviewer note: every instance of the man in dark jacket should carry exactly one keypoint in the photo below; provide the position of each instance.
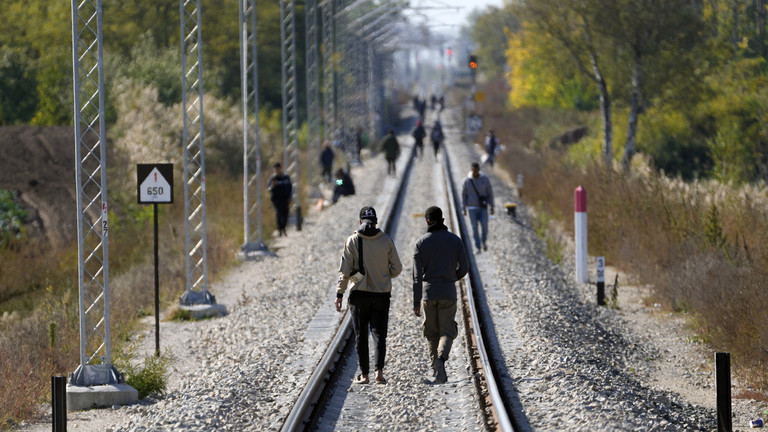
(439, 260)
(281, 192)
(326, 161)
(371, 289)
(436, 136)
(418, 135)
(391, 149)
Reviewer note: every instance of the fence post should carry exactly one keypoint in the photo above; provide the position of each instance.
(59, 403)
(723, 380)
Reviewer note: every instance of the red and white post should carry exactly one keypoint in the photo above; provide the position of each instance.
(580, 228)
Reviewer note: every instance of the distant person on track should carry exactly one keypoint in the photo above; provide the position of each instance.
(371, 270)
(326, 161)
(418, 135)
(357, 146)
(391, 149)
(477, 196)
(437, 136)
(281, 193)
(439, 260)
(491, 147)
(344, 185)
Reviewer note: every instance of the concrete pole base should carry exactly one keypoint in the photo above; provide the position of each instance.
(202, 311)
(101, 396)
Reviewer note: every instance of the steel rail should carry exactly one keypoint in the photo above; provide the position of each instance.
(459, 226)
(305, 404)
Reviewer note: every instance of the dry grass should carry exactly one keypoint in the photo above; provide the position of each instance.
(702, 246)
(27, 359)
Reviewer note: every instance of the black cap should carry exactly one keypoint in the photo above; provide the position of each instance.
(434, 214)
(369, 213)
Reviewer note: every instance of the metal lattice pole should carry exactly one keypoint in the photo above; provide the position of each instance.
(194, 155)
(343, 77)
(290, 121)
(314, 125)
(253, 241)
(329, 75)
(90, 174)
(373, 112)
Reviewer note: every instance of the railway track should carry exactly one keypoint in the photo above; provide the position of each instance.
(314, 408)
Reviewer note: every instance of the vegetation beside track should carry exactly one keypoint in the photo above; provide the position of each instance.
(700, 245)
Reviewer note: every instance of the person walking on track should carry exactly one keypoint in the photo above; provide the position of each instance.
(281, 193)
(477, 196)
(391, 149)
(491, 147)
(439, 260)
(418, 135)
(436, 135)
(370, 261)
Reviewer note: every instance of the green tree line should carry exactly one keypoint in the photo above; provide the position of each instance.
(139, 35)
(682, 82)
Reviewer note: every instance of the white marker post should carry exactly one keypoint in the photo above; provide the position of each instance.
(580, 226)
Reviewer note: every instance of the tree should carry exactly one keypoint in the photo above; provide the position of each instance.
(645, 30)
(574, 24)
(17, 104)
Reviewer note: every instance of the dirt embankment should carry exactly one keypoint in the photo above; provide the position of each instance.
(38, 165)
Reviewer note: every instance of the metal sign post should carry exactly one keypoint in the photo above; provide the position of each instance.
(155, 185)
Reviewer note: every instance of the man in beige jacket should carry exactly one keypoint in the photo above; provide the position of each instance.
(371, 271)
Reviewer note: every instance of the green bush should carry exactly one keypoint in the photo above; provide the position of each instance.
(152, 378)
(11, 217)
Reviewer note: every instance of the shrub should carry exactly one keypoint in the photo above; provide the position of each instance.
(11, 217)
(152, 379)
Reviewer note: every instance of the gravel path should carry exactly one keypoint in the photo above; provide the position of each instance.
(577, 367)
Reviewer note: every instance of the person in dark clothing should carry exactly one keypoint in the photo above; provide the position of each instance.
(439, 260)
(436, 136)
(357, 146)
(281, 192)
(391, 149)
(371, 270)
(344, 185)
(326, 161)
(418, 135)
(422, 109)
(491, 147)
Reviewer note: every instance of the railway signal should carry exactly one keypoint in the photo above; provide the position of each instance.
(473, 62)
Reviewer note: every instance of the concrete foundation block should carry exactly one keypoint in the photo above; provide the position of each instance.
(84, 397)
(202, 311)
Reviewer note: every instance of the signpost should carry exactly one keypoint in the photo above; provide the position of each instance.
(154, 184)
(601, 281)
(474, 123)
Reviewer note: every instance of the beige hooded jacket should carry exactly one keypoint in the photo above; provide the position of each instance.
(379, 258)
